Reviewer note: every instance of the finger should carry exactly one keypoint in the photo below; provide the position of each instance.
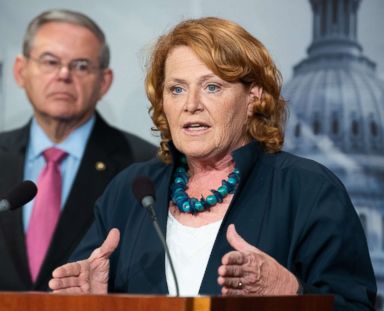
(62, 283)
(236, 241)
(225, 291)
(231, 283)
(233, 258)
(72, 290)
(110, 243)
(108, 246)
(67, 270)
(230, 270)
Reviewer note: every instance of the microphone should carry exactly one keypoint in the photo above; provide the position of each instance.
(144, 192)
(18, 196)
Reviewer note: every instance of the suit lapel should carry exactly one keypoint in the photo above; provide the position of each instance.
(11, 223)
(162, 216)
(13, 232)
(247, 161)
(148, 255)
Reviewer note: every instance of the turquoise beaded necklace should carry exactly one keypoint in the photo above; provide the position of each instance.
(186, 204)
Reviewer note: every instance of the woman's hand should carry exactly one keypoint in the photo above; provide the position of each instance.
(89, 276)
(248, 271)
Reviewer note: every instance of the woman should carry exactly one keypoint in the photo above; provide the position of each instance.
(215, 95)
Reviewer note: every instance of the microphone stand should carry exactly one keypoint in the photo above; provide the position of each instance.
(160, 234)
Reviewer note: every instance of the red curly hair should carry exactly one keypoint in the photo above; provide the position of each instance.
(234, 55)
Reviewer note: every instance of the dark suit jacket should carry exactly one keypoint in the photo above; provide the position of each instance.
(293, 209)
(114, 148)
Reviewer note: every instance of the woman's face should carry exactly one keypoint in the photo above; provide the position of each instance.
(207, 116)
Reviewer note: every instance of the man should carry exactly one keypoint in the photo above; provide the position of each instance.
(64, 72)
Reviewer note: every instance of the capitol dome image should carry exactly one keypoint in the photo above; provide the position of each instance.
(336, 116)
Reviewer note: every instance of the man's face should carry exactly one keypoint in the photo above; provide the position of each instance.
(63, 93)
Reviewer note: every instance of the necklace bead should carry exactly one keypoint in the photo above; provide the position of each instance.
(192, 205)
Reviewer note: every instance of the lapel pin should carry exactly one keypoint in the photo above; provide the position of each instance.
(100, 166)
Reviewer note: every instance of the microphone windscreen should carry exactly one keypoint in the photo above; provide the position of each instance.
(21, 194)
(143, 187)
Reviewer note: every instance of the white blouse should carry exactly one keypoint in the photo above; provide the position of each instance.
(190, 249)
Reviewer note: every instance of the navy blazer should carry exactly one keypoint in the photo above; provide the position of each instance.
(106, 144)
(292, 208)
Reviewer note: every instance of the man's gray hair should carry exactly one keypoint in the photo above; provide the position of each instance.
(70, 17)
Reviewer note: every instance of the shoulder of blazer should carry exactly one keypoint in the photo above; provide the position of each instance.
(15, 140)
(114, 140)
(12, 153)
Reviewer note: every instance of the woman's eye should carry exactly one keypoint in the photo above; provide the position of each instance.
(212, 88)
(177, 90)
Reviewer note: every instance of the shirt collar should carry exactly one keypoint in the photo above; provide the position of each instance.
(74, 144)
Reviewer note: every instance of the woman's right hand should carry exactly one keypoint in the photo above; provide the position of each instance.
(89, 276)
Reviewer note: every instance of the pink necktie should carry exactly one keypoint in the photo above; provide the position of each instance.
(46, 210)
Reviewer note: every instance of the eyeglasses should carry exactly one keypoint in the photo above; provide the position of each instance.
(78, 67)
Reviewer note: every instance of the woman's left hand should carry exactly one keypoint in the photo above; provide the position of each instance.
(249, 271)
